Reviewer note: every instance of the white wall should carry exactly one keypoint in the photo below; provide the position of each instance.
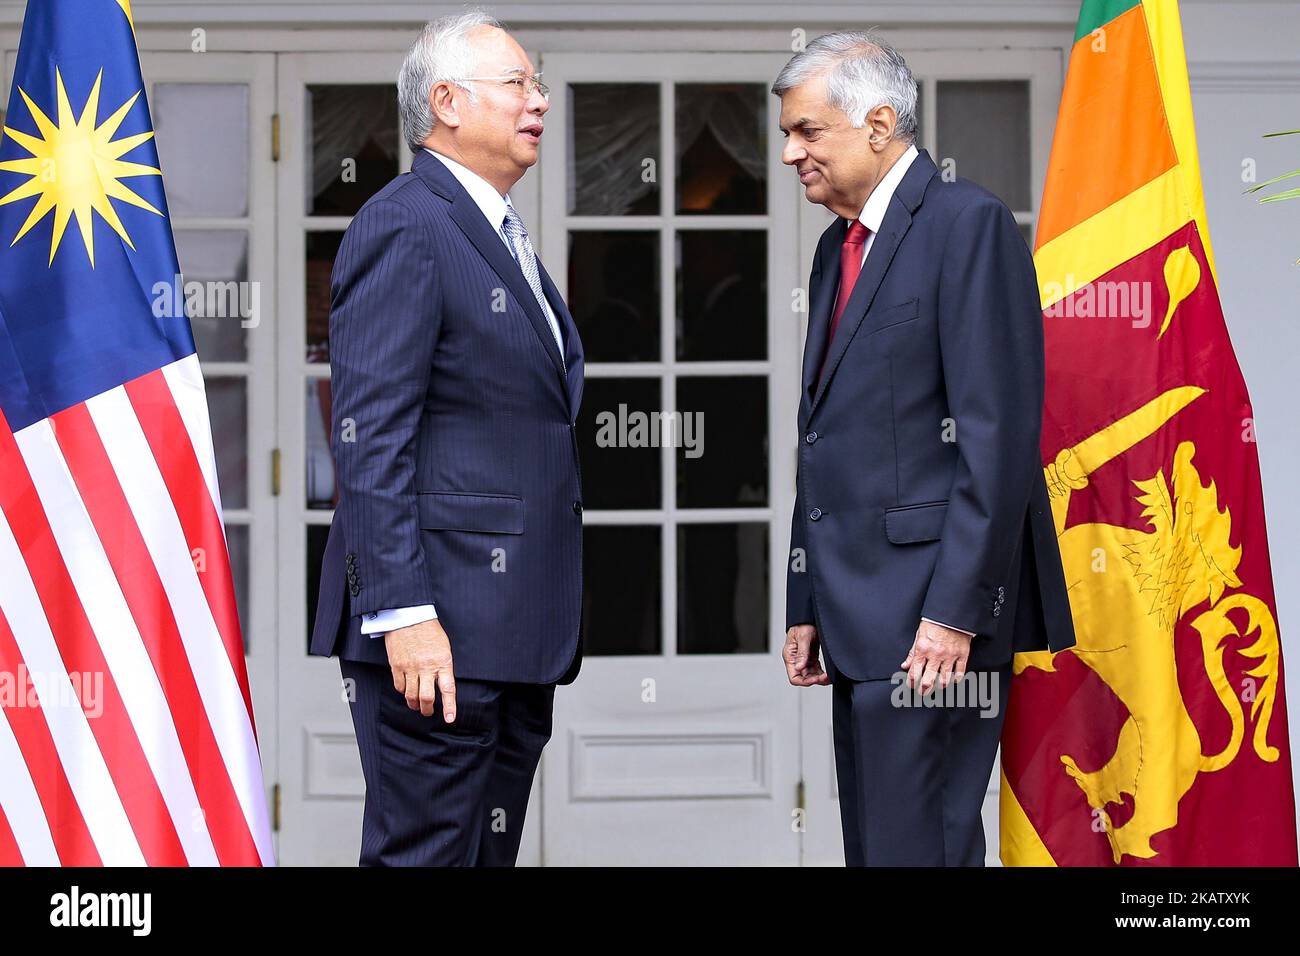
(1245, 66)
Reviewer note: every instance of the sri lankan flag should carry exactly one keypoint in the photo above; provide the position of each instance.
(1161, 739)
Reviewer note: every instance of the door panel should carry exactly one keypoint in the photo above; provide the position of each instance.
(668, 222)
(212, 121)
(339, 143)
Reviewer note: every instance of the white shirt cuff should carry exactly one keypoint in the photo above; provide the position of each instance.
(379, 623)
(932, 621)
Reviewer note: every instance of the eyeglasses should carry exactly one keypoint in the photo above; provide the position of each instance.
(524, 84)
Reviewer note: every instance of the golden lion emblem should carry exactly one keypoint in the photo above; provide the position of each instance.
(1145, 581)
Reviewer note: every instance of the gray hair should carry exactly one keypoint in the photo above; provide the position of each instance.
(440, 54)
(862, 72)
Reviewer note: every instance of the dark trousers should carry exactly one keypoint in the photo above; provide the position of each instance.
(441, 794)
(912, 779)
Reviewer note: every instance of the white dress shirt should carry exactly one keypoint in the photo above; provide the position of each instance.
(493, 206)
(873, 210)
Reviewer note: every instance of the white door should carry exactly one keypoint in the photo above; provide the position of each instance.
(212, 121)
(338, 144)
(670, 224)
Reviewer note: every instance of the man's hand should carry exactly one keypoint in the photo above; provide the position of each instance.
(420, 657)
(937, 651)
(802, 663)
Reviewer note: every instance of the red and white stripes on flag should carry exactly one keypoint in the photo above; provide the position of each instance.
(127, 733)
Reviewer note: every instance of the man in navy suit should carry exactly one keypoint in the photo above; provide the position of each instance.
(452, 578)
(922, 547)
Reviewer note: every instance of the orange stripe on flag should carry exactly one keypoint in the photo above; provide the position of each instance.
(1112, 135)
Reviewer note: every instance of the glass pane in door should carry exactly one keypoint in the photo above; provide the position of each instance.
(614, 294)
(721, 148)
(722, 461)
(722, 299)
(202, 133)
(722, 588)
(352, 145)
(614, 149)
(622, 587)
(984, 128)
(620, 467)
(322, 495)
(228, 413)
(218, 258)
(322, 247)
(237, 548)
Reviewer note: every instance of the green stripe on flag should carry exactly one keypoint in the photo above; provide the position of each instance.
(1096, 13)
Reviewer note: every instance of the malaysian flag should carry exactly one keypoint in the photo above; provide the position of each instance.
(126, 732)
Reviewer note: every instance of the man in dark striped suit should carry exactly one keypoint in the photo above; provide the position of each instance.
(452, 579)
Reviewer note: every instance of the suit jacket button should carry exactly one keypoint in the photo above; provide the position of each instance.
(577, 507)
(815, 514)
(810, 437)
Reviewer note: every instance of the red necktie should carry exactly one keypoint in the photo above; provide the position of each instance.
(850, 267)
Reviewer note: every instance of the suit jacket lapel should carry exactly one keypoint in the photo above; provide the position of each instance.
(466, 214)
(822, 302)
(573, 355)
(898, 219)
(895, 225)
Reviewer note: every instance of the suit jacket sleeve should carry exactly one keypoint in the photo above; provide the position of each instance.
(384, 322)
(798, 583)
(798, 589)
(991, 343)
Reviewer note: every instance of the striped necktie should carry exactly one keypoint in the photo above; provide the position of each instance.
(522, 247)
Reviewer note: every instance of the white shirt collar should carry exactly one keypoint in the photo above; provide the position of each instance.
(873, 212)
(480, 190)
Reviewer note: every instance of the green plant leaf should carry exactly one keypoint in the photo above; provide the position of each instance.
(1289, 194)
(1275, 179)
(1290, 132)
